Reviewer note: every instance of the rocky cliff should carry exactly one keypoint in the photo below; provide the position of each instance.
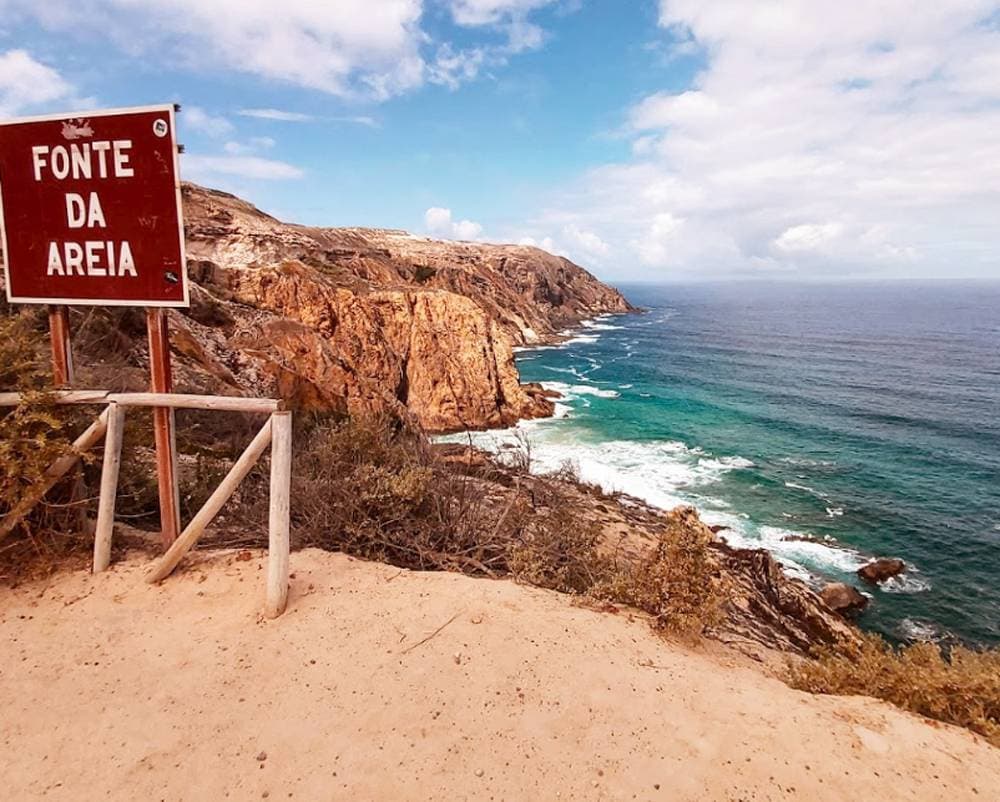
(366, 320)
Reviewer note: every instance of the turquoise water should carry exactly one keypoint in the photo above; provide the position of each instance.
(865, 416)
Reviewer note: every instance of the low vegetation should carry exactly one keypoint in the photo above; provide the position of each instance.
(377, 489)
(32, 435)
(958, 686)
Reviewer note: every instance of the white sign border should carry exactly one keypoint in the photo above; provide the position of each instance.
(185, 302)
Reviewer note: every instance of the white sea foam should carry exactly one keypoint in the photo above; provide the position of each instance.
(595, 326)
(806, 489)
(834, 512)
(806, 462)
(520, 349)
(783, 543)
(914, 630)
(572, 391)
(908, 582)
(581, 338)
(568, 371)
(735, 462)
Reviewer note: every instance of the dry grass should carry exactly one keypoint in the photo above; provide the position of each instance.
(32, 436)
(557, 548)
(375, 489)
(677, 581)
(959, 687)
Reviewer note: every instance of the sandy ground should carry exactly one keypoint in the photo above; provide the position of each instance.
(111, 689)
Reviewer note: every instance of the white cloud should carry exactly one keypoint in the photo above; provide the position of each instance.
(808, 237)
(371, 49)
(26, 83)
(279, 115)
(439, 223)
(254, 145)
(368, 122)
(491, 12)
(197, 119)
(206, 169)
(545, 243)
(453, 68)
(507, 16)
(572, 242)
(347, 48)
(588, 242)
(656, 244)
(276, 114)
(818, 138)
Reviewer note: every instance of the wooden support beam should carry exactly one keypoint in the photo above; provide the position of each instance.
(207, 513)
(278, 529)
(164, 429)
(109, 487)
(218, 403)
(62, 349)
(54, 473)
(99, 397)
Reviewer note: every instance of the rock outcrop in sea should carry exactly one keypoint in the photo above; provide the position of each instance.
(880, 570)
(358, 320)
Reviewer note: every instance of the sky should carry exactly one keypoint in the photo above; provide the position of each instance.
(659, 141)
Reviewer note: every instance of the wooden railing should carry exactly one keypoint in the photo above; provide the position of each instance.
(110, 425)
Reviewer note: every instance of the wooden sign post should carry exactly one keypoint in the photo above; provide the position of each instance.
(164, 429)
(90, 214)
(62, 350)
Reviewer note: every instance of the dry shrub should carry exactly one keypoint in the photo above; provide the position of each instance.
(676, 581)
(32, 436)
(961, 686)
(556, 548)
(372, 488)
(108, 335)
(375, 489)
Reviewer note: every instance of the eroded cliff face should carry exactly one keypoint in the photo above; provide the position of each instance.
(369, 320)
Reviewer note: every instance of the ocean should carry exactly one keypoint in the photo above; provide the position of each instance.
(865, 418)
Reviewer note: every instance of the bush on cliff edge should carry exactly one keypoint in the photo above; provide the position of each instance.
(375, 489)
(961, 687)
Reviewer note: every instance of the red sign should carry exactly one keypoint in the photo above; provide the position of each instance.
(90, 209)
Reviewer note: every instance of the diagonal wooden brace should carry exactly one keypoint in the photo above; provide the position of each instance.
(207, 513)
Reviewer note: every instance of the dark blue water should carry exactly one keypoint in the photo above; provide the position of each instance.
(867, 417)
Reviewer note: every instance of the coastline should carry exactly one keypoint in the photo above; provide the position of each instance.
(796, 552)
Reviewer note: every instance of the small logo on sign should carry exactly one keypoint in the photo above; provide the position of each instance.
(76, 129)
(160, 127)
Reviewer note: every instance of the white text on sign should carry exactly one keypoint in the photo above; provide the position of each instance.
(87, 160)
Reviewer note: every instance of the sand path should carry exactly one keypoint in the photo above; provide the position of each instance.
(110, 689)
